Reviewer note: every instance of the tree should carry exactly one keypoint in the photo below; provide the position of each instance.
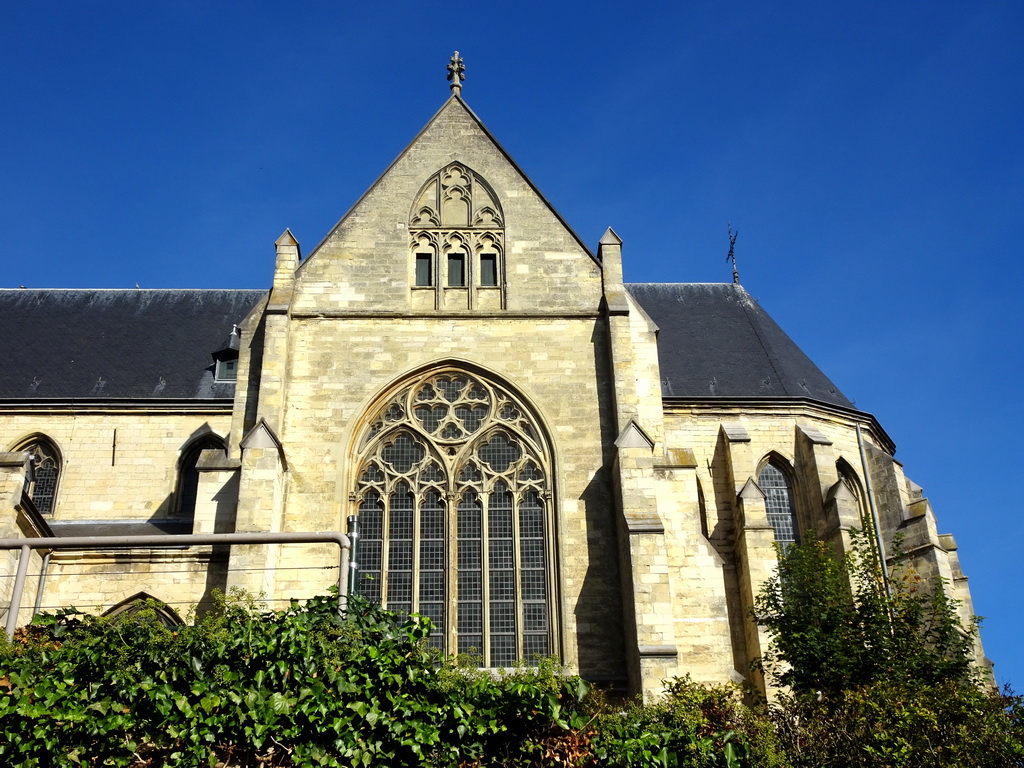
(834, 625)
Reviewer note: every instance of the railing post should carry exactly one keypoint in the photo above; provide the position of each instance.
(19, 588)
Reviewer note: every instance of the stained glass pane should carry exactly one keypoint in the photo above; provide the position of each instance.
(368, 555)
(404, 453)
(470, 562)
(503, 650)
(499, 452)
(431, 416)
(533, 576)
(432, 564)
(535, 646)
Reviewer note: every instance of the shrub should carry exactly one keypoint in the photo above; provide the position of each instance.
(898, 724)
(301, 686)
(691, 725)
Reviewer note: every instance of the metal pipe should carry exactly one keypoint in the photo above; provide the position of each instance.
(19, 586)
(156, 541)
(42, 583)
(874, 510)
(353, 535)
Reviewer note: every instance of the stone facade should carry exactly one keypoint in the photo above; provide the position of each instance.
(455, 369)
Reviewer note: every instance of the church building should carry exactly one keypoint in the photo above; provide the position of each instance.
(541, 458)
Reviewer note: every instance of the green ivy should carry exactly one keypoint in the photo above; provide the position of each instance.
(301, 686)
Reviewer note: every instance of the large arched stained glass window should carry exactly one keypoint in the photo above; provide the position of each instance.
(778, 500)
(453, 493)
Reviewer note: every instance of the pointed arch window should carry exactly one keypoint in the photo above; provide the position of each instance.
(457, 240)
(453, 493)
(778, 493)
(188, 475)
(144, 607)
(43, 476)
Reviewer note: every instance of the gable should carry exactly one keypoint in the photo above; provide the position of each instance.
(366, 264)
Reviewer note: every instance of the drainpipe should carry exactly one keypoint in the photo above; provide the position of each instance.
(42, 583)
(353, 564)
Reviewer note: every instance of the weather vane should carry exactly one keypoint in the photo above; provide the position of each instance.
(732, 253)
(456, 73)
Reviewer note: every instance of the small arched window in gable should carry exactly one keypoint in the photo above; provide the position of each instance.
(188, 474)
(457, 242)
(778, 499)
(44, 473)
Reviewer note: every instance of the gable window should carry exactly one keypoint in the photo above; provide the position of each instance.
(778, 500)
(457, 219)
(43, 475)
(453, 493)
(488, 269)
(424, 270)
(456, 270)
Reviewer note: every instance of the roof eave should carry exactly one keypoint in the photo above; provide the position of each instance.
(853, 413)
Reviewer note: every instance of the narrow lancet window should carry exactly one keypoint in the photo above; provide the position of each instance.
(779, 503)
(456, 270)
(424, 270)
(43, 475)
(488, 269)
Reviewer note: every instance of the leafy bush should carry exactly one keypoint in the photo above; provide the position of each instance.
(691, 725)
(898, 725)
(301, 686)
(305, 686)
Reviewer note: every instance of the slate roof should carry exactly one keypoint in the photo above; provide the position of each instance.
(715, 341)
(58, 344)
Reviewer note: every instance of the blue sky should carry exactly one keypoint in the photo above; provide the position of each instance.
(869, 154)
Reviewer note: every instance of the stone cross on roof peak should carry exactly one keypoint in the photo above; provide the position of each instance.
(456, 73)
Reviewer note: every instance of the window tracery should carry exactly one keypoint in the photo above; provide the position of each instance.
(454, 503)
(457, 238)
(44, 473)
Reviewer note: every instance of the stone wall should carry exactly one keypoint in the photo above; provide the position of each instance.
(117, 464)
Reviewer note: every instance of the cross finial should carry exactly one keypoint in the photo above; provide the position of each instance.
(456, 73)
